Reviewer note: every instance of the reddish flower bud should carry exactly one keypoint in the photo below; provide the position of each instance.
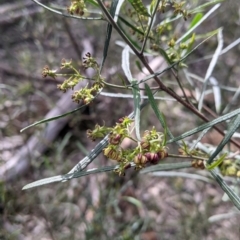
(127, 165)
(115, 139)
(152, 157)
(140, 159)
(113, 154)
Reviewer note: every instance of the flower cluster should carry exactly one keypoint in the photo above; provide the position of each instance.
(161, 37)
(230, 168)
(197, 163)
(150, 150)
(46, 72)
(177, 8)
(77, 7)
(74, 76)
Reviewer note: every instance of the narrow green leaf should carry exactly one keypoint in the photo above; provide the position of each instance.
(234, 126)
(138, 64)
(51, 119)
(217, 162)
(135, 89)
(130, 25)
(139, 7)
(195, 20)
(231, 194)
(165, 56)
(159, 115)
(43, 181)
(153, 5)
(137, 102)
(205, 5)
(67, 177)
(109, 32)
(206, 125)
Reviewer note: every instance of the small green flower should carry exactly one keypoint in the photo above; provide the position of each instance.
(47, 72)
(98, 132)
(77, 7)
(66, 63)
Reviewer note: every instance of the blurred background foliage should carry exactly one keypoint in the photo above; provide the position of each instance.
(103, 206)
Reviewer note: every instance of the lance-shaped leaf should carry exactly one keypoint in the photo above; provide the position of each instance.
(234, 126)
(67, 177)
(206, 125)
(135, 89)
(159, 115)
(139, 7)
(52, 119)
(109, 31)
(231, 194)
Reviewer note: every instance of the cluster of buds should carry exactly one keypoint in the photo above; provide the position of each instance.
(90, 62)
(178, 9)
(69, 83)
(177, 51)
(74, 78)
(84, 94)
(150, 150)
(197, 163)
(163, 36)
(113, 152)
(162, 6)
(77, 7)
(115, 138)
(46, 72)
(162, 29)
(160, 35)
(142, 159)
(98, 132)
(87, 94)
(230, 168)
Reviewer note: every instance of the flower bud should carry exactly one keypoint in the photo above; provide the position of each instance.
(115, 139)
(162, 154)
(152, 157)
(145, 145)
(140, 159)
(200, 164)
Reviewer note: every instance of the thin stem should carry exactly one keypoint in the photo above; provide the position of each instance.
(149, 27)
(180, 85)
(114, 24)
(192, 156)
